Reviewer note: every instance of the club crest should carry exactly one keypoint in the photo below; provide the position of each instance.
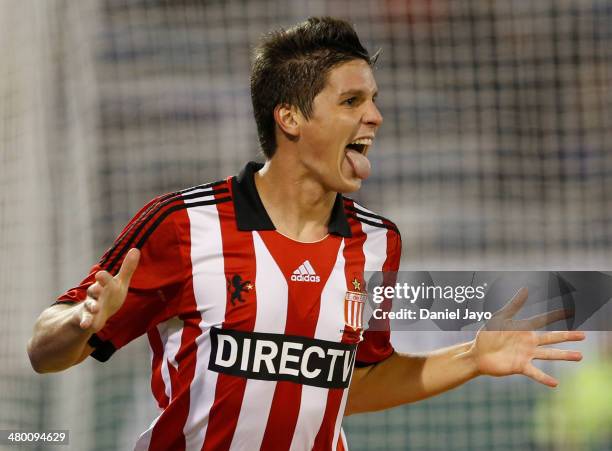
(354, 304)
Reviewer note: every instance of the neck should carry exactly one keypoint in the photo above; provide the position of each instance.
(298, 205)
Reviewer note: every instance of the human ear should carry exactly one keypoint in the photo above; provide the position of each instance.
(286, 117)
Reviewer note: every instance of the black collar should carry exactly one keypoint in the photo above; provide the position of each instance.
(251, 214)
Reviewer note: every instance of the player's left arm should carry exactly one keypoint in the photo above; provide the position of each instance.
(504, 346)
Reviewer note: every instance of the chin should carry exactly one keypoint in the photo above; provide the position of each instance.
(352, 187)
(342, 181)
(347, 185)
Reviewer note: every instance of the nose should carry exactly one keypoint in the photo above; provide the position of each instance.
(372, 115)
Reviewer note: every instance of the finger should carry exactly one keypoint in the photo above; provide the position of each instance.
(552, 338)
(540, 376)
(543, 319)
(515, 304)
(94, 290)
(103, 278)
(129, 265)
(92, 306)
(86, 319)
(557, 354)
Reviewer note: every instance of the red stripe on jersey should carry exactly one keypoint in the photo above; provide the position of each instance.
(240, 315)
(158, 387)
(175, 414)
(353, 268)
(303, 305)
(379, 332)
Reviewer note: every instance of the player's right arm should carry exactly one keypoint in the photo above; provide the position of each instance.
(62, 331)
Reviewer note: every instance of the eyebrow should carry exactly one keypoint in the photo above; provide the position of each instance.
(357, 92)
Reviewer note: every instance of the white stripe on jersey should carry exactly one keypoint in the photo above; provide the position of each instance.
(272, 295)
(170, 332)
(343, 438)
(376, 238)
(198, 191)
(315, 398)
(340, 416)
(145, 438)
(210, 293)
(162, 328)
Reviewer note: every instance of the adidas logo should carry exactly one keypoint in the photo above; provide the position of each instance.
(305, 273)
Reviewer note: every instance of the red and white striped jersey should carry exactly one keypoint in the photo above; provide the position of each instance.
(254, 336)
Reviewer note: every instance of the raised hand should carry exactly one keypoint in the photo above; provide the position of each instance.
(506, 346)
(107, 294)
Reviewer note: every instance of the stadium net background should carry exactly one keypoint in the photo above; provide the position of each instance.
(495, 154)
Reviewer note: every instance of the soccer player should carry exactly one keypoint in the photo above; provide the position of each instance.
(251, 289)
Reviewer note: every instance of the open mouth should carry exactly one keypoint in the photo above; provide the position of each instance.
(360, 145)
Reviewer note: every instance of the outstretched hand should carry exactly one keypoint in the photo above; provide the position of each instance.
(107, 294)
(506, 346)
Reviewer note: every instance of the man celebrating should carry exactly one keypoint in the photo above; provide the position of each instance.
(251, 289)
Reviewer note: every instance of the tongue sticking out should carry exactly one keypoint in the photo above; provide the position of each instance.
(361, 165)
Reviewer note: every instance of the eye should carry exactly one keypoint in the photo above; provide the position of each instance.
(350, 101)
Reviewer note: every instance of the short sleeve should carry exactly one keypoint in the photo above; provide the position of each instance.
(376, 345)
(156, 285)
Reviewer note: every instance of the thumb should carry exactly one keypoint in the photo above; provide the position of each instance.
(515, 304)
(129, 265)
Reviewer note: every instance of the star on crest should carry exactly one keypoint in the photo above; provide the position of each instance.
(356, 284)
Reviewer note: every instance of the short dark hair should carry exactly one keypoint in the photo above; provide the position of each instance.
(291, 67)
